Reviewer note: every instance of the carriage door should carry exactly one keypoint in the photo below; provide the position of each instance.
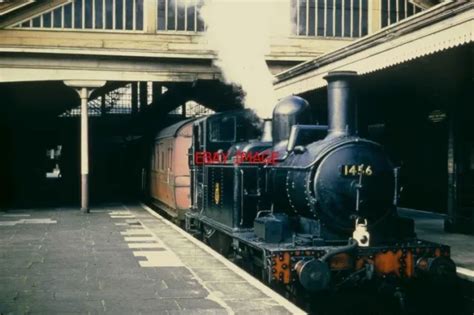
(170, 173)
(197, 171)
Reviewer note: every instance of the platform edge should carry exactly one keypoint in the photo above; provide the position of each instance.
(251, 280)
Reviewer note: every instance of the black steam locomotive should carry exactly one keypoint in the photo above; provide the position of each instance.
(311, 207)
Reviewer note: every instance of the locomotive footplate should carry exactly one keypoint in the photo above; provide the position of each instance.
(316, 269)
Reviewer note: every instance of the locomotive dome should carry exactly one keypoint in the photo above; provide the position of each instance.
(290, 111)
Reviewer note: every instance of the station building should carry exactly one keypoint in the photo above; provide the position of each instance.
(81, 80)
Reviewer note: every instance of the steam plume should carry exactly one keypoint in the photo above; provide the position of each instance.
(240, 32)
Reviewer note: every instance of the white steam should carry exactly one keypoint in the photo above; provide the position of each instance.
(240, 32)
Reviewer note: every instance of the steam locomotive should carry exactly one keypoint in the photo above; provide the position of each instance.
(308, 207)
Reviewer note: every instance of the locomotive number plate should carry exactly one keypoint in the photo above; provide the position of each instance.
(356, 170)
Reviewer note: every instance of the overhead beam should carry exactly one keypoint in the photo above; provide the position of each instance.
(425, 4)
(29, 67)
(38, 8)
(169, 45)
(9, 7)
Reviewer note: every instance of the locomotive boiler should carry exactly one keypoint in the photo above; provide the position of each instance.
(339, 182)
(310, 207)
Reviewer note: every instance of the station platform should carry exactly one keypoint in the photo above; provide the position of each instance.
(430, 226)
(120, 260)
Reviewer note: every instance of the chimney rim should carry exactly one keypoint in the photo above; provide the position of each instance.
(335, 75)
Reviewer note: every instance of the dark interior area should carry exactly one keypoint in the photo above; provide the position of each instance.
(32, 152)
(40, 147)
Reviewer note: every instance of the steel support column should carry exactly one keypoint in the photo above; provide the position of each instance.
(452, 213)
(143, 91)
(84, 94)
(134, 98)
(84, 89)
(155, 91)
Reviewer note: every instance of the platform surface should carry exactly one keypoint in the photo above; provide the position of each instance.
(430, 227)
(118, 260)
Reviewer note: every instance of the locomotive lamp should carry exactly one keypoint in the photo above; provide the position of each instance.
(361, 235)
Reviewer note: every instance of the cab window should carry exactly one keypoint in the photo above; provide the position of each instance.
(222, 129)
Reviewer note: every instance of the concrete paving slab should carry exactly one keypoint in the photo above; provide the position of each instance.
(94, 264)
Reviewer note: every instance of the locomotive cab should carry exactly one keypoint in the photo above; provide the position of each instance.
(218, 183)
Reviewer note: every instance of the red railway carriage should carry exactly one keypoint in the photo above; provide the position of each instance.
(169, 169)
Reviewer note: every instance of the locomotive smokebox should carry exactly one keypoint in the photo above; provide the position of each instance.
(290, 111)
(341, 103)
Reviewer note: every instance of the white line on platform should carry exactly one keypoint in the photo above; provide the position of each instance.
(16, 215)
(440, 215)
(250, 279)
(136, 232)
(124, 216)
(465, 273)
(120, 212)
(144, 245)
(165, 258)
(139, 238)
(28, 221)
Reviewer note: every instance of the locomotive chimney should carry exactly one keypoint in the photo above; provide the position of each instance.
(341, 103)
(290, 111)
(267, 130)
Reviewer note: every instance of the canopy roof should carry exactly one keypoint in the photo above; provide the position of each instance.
(442, 27)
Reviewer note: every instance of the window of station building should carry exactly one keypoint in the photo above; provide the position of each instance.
(222, 129)
(330, 18)
(356, 18)
(78, 13)
(114, 15)
(191, 109)
(338, 18)
(47, 20)
(180, 15)
(124, 100)
(393, 11)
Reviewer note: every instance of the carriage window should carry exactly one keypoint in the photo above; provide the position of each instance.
(170, 158)
(162, 160)
(222, 129)
(201, 135)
